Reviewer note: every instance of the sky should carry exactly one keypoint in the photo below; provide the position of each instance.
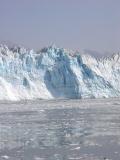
(90, 25)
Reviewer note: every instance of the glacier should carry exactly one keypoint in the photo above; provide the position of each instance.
(56, 73)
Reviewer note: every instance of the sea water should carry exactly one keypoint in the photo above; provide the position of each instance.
(60, 130)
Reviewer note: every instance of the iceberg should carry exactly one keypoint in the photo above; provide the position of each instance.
(56, 73)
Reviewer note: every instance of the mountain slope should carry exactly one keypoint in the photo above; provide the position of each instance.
(56, 73)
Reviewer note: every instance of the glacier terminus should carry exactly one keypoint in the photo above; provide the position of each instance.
(56, 73)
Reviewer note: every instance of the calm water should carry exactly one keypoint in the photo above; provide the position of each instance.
(60, 130)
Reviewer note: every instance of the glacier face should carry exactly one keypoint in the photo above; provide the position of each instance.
(56, 73)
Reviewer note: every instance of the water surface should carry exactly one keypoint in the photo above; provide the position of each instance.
(60, 130)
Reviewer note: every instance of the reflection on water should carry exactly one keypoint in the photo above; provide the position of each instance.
(82, 132)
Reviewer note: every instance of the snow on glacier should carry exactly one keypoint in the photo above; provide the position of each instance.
(56, 73)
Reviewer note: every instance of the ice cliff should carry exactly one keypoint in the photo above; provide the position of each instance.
(56, 73)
